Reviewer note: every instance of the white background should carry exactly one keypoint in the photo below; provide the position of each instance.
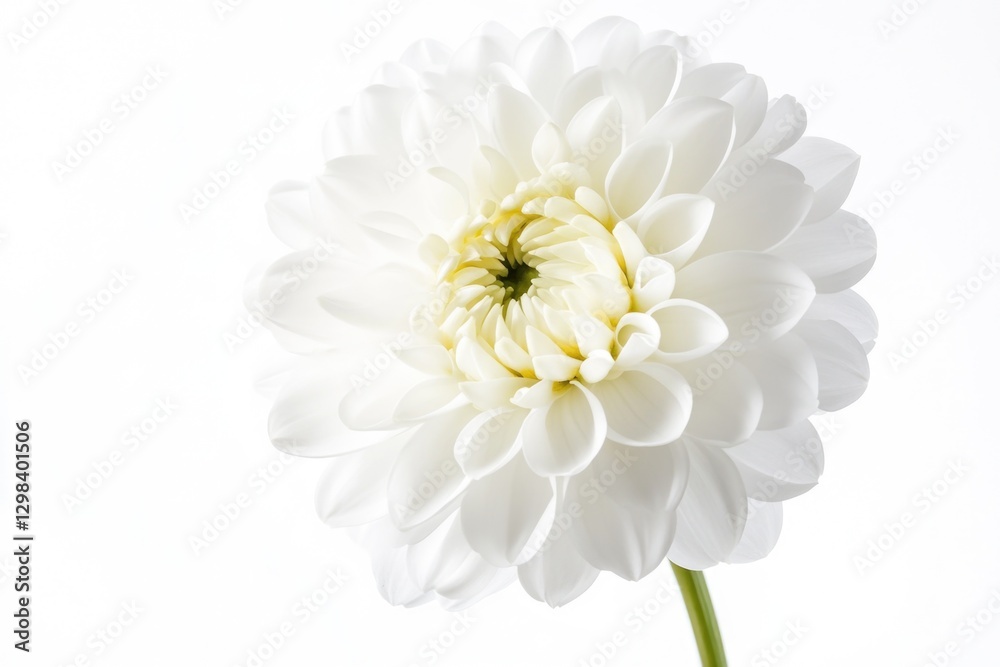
(162, 337)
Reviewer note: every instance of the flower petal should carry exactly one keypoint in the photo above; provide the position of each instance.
(626, 541)
(840, 361)
(637, 178)
(564, 437)
(516, 120)
(646, 406)
(712, 513)
(290, 215)
(392, 579)
(761, 533)
(644, 478)
(701, 131)
(758, 211)
(675, 226)
(303, 421)
(544, 60)
(506, 515)
(758, 296)
(726, 409)
(610, 42)
(786, 373)
(656, 74)
(445, 563)
(489, 441)
(730, 83)
(829, 168)
(688, 330)
(352, 489)
(836, 252)
(782, 464)
(848, 309)
(557, 574)
(426, 477)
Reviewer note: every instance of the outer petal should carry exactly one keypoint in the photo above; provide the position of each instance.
(643, 478)
(727, 408)
(352, 490)
(627, 541)
(701, 131)
(610, 42)
(836, 252)
(829, 168)
(506, 516)
(656, 73)
(758, 296)
(304, 421)
(778, 465)
(393, 579)
(489, 441)
(786, 373)
(840, 361)
(761, 533)
(730, 83)
(557, 574)
(848, 309)
(545, 60)
(759, 211)
(712, 513)
(516, 119)
(444, 562)
(595, 135)
(426, 477)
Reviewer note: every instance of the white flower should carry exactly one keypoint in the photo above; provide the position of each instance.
(586, 296)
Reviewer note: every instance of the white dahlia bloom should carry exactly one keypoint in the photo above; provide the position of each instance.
(584, 298)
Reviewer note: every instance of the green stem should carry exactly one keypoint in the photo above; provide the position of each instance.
(702, 614)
